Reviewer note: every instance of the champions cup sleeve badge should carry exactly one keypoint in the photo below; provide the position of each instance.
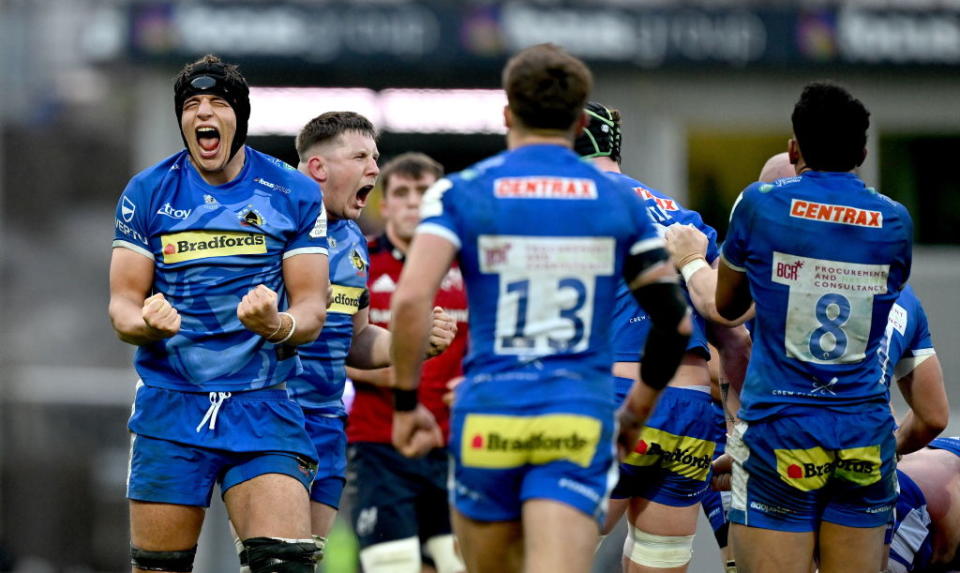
(320, 226)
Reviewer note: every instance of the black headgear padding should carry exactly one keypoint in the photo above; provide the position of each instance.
(601, 137)
(212, 78)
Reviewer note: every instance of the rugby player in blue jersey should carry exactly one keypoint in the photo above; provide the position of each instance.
(823, 258)
(662, 481)
(926, 537)
(543, 240)
(210, 245)
(338, 150)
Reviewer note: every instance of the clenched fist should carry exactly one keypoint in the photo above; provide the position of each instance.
(684, 243)
(160, 317)
(258, 311)
(442, 332)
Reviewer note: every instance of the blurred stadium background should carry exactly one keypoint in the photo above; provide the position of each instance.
(86, 101)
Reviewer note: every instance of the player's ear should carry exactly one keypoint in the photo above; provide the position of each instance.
(507, 117)
(863, 157)
(317, 168)
(582, 122)
(793, 151)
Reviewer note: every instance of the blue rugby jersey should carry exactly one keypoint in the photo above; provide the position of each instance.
(631, 324)
(542, 238)
(210, 245)
(826, 258)
(321, 383)
(906, 340)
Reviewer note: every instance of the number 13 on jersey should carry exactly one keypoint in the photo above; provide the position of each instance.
(547, 290)
(829, 308)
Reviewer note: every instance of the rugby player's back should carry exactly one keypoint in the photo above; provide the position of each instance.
(826, 258)
(542, 238)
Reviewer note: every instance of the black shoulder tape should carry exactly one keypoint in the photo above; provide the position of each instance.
(665, 305)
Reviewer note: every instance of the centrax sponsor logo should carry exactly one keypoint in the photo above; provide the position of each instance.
(835, 214)
(665, 204)
(545, 188)
(192, 245)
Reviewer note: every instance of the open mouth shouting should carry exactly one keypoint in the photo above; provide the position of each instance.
(208, 138)
(363, 193)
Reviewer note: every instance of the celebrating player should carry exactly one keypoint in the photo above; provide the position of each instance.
(823, 258)
(398, 501)
(663, 481)
(338, 150)
(543, 240)
(210, 244)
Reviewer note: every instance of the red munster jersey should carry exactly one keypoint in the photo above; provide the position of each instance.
(371, 415)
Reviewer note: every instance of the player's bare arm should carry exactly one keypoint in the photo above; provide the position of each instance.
(138, 318)
(305, 278)
(414, 429)
(929, 412)
(733, 297)
(687, 246)
(370, 347)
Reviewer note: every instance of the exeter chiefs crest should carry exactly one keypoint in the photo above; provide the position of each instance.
(357, 260)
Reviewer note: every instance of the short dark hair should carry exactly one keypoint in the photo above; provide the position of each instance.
(830, 126)
(546, 87)
(413, 164)
(601, 137)
(330, 125)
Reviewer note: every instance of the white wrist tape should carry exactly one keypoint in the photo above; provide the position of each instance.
(693, 266)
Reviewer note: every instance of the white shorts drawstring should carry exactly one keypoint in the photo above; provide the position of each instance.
(216, 400)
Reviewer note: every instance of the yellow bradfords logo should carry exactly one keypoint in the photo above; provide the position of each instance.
(192, 245)
(810, 469)
(500, 442)
(345, 300)
(683, 455)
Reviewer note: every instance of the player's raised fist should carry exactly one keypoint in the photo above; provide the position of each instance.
(161, 318)
(258, 311)
(685, 242)
(442, 332)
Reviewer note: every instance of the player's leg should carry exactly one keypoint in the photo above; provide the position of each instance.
(850, 549)
(668, 474)
(328, 434)
(383, 494)
(489, 546)
(558, 537)
(863, 492)
(169, 487)
(661, 536)
(271, 513)
(266, 488)
(433, 512)
(776, 491)
(763, 550)
(163, 537)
